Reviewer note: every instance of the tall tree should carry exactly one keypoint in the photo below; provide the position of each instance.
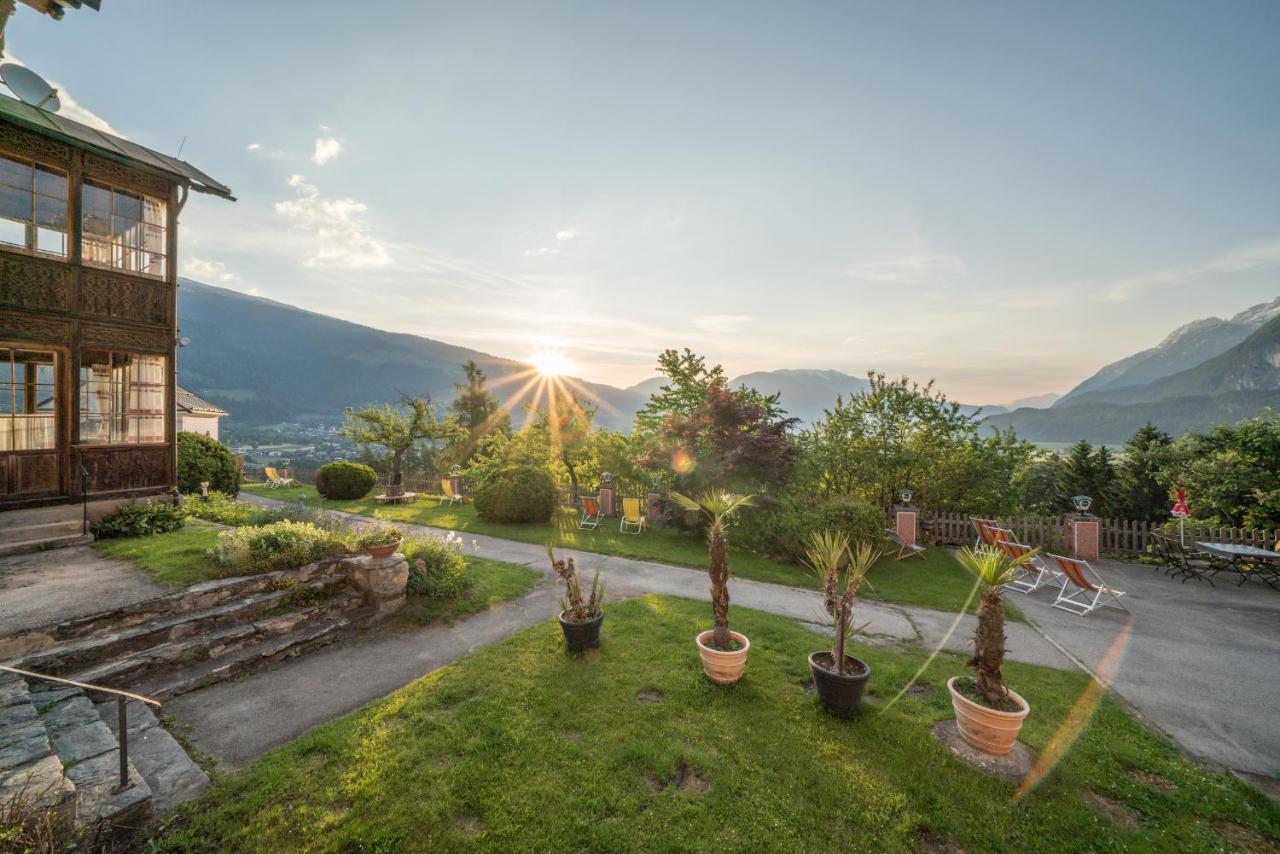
(1140, 493)
(398, 429)
(477, 409)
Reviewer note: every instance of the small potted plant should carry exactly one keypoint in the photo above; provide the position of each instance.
(580, 617)
(380, 540)
(724, 653)
(988, 714)
(839, 678)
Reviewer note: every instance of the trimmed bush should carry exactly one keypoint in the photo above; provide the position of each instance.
(139, 519)
(437, 568)
(345, 481)
(517, 494)
(780, 529)
(279, 545)
(202, 458)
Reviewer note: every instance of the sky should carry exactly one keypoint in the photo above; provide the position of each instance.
(1002, 196)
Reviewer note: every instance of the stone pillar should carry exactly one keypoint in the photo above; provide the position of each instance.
(653, 506)
(1083, 535)
(904, 523)
(381, 581)
(606, 501)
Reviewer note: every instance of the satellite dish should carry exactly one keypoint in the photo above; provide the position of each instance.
(30, 87)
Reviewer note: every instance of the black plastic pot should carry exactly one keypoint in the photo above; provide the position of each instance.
(580, 637)
(839, 694)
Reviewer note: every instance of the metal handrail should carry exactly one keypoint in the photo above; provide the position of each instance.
(84, 493)
(122, 713)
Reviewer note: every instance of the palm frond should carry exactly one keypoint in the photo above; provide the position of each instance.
(993, 568)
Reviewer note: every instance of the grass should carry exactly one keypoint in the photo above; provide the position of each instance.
(493, 582)
(175, 559)
(936, 581)
(521, 747)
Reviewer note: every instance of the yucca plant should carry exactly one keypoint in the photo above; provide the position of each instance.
(843, 569)
(577, 609)
(993, 569)
(718, 509)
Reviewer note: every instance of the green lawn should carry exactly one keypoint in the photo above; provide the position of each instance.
(519, 747)
(493, 582)
(175, 560)
(936, 581)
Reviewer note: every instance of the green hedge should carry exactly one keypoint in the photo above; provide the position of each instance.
(139, 519)
(202, 458)
(345, 481)
(279, 545)
(517, 494)
(779, 529)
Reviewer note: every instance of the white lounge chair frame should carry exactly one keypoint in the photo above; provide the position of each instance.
(449, 494)
(589, 520)
(626, 525)
(1033, 574)
(1086, 593)
(905, 550)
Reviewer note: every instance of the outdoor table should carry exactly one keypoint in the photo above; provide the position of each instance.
(1247, 560)
(395, 499)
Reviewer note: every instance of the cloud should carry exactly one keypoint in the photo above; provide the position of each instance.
(207, 271)
(340, 238)
(253, 146)
(722, 324)
(327, 148)
(908, 270)
(566, 234)
(563, 236)
(1241, 259)
(73, 109)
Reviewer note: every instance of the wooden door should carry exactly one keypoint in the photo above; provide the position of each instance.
(32, 413)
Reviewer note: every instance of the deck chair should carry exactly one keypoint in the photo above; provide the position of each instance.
(591, 515)
(274, 478)
(905, 549)
(981, 526)
(632, 516)
(997, 535)
(1084, 590)
(448, 493)
(1034, 574)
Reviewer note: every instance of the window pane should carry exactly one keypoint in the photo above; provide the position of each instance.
(13, 233)
(127, 231)
(51, 183)
(15, 204)
(96, 202)
(51, 241)
(152, 263)
(34, 399)
(15, 174)
(153, 238)
(127, 206)
(95, 396)
(124, 257)
(51, 212)
(153, 211)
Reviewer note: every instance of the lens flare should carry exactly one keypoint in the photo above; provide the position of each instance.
(681, 462)
(551, 363)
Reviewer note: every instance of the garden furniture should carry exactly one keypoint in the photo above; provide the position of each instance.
(1084, 591)
(1178, 561)
(632, 516)
(388, 498)
(274, 478)
(1034, 572)
(904, 548)
(591, 515)
(1247, 561)
(448, 493)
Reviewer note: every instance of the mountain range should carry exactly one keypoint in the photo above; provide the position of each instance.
(269, 363)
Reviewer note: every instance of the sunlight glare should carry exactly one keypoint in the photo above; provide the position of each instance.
(551, 363)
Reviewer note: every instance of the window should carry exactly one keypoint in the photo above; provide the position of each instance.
(121, 398)
(123, 230)
(33, 207)
(28, 397)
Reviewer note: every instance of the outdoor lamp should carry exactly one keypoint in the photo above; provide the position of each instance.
(905, 494)
(608, 477)
(456, 471)
(1082, 503)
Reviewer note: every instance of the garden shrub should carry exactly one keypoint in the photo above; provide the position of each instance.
(378, 534)
(201, 458)
(225, 509)
(345, 481)
(779, 529)
(437, 567)
(139, 519)
(522, 493)
(279, 545)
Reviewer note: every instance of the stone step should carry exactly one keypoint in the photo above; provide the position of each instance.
(84, 653)
(141, 666)
(165, 686)
(39, 543)
(31, 774)
(159, 758)
(41, 531)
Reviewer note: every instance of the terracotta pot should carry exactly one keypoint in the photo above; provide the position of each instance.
(580, 637)
(723, 668)
(839, 693)
(988, 730)
(382, 551)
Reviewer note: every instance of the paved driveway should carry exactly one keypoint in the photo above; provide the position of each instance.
(49, 586)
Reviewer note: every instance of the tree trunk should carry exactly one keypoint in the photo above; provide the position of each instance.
(718, 547)
(396, 477)
(842, 624)
(988, 648)
(573, 475)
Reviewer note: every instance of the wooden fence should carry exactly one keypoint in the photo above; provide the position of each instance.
(1117, 536)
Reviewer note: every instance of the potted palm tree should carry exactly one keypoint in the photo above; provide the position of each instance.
(839, 678)
(988, 714)
(724, 653)
(580, 617)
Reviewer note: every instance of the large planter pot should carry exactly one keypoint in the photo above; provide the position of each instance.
(985, 729)
(580, 637)
(839, 693)
(723, 668)
(386, 550)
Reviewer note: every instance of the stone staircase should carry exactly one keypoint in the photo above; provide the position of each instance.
(24, 531)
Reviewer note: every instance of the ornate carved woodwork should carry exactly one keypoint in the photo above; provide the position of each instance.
(32, 327)
(119, 175)
(109, 294)
(34, 283)
(118, 469)
(32, 473)
(128, 338)
(20, 143)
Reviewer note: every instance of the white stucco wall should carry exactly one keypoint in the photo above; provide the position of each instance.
(189, 422)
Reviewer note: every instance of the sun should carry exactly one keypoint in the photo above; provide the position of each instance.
(551, 363)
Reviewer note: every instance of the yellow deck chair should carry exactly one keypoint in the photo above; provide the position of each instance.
(632, 516)
(274, 478)
(448, 493)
